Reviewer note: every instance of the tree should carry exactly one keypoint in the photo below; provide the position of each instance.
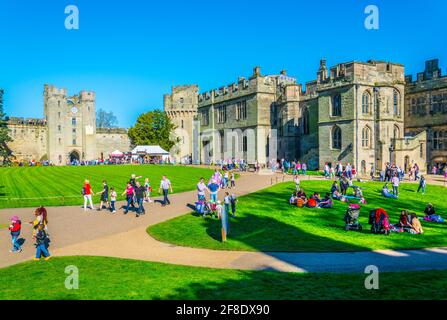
(153, 128)
(106, 120)
(5, 151)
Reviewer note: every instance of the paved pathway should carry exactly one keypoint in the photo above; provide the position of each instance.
(75, 232)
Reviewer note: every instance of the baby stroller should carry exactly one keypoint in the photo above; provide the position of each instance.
(379, 221)
(352, 218)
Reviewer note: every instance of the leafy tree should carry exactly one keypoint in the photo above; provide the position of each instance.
(153, 128)
(5, 151)
(106, 120)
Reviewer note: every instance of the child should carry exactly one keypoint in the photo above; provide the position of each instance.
(233, 201)
(15, 228)
(113, 196)
(297, 183)
(41, 243)
(227, 202)
(422, 185)
(104, 196)
(147, 186)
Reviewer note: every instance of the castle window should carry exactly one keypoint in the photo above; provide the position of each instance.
(438, 140)
(59, 115)
(183, 124)
(59, 128)
(221, 114)
(336, 105)
(244, 144)
(73, 121)
(396, 133)
(205, 121)
(60, 141)
(366, 102)
(74, 130)
(74, 142)
(305, 122)
(396, 104)
(241, 110)
(336, 137)
(59, 104)
(366, 137)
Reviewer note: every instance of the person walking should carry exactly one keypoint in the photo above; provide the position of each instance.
(422, 185)
(104, 196)
(233, 180)
(130, 193)
(41, 244)
(87, 192)
(113, 197)
(15, 228)
(395, 181)
(148, 188)
(165, 185)
(139, 195)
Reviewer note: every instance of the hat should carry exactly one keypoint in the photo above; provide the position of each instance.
(15, 218)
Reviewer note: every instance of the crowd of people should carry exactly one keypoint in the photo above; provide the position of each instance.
(136, 194)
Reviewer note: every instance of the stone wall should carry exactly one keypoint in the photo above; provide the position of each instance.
(29, 139)
(109, 140)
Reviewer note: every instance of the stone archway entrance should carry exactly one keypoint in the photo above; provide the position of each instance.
(74, 156)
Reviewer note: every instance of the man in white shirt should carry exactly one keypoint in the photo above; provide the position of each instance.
(201, 187)
(165, 185)
(395, 181)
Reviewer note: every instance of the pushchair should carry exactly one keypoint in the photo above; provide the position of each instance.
(352, 218)
(379, 221)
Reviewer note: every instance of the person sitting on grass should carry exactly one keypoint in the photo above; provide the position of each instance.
(301, 198)
(293, 198)
(316, 196)
(430, 214)
(416, 227)
(404, 221)
(312, 202)
(326, 203)
(386, 192)
(429, 210)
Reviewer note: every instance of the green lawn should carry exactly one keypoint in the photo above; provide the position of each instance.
(110, 278)
(266, 222)
(54, 186)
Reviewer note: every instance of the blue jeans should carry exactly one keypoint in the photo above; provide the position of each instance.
(112, 205)
(140, 206)
(165, 197)
(213, 197)
(15, 244)
(129, 202)
(41, 249)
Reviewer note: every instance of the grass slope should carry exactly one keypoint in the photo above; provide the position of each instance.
(110, 278)
(266, 222)
(62, 185)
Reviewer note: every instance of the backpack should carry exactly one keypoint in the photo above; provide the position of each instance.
(83, 191)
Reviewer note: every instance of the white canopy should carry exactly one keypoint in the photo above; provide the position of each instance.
(150, 150)
(117, 153)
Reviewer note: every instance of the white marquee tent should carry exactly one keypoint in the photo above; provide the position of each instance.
(152, 151)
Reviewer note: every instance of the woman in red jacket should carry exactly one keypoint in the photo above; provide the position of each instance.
(15, 228)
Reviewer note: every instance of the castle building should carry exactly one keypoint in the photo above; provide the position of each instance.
(67, 132)
(426, 111)
(181, 107)
(356, 112)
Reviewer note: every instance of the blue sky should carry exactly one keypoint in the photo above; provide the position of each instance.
(131, 52)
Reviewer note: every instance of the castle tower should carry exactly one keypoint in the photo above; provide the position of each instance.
(71, 125)
(181, 107)
(55, 103)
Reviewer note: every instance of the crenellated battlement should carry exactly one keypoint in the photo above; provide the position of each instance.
(51, 90)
